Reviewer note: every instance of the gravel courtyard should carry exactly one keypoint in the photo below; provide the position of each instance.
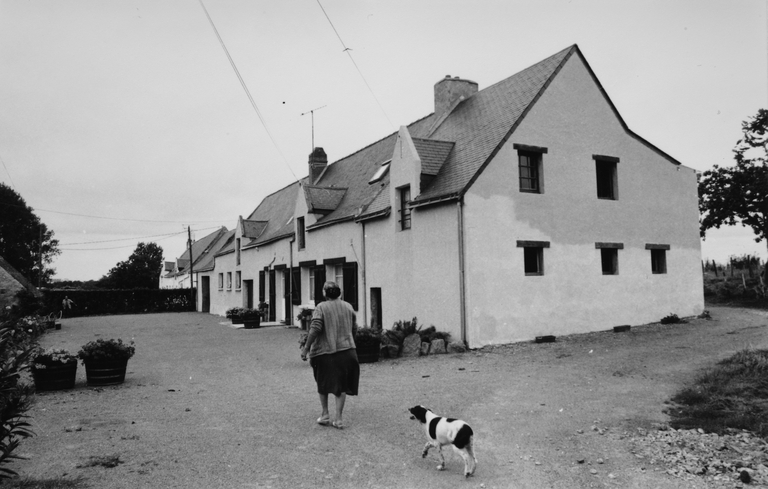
(208, 405)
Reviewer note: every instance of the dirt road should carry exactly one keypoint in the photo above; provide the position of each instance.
(206, 405)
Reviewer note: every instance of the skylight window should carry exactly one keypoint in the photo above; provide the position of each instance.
(380, 172)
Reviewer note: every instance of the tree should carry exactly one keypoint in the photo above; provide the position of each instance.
(20, 232)
(140, 271)
(739, 194)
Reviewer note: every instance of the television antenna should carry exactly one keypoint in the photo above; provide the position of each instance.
(312, 113)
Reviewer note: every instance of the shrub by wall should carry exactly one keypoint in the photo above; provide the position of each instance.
(102, 302)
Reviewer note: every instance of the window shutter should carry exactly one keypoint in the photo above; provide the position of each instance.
(350, 283)
(319, 282)
(261, 285)
(296, 286)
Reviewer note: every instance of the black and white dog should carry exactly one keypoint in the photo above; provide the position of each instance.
(446, 431)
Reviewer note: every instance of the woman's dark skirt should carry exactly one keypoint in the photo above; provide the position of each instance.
(336, 373)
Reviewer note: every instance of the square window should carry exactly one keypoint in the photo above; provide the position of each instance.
(606, 180)
(610, 260)
(529, 165)
(533, 256)
(404, 210)
(659, 261)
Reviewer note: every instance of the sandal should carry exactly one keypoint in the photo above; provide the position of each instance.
(338, 425)
(323, 420)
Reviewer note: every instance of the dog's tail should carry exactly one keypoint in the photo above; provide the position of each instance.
(463, 437)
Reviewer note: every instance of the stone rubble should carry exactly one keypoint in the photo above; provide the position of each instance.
(723, 461)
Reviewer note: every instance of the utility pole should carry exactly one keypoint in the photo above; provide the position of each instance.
(191, 269)
(312, 113)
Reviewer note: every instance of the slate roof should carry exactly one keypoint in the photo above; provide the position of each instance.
(277, 211)
(200, 249)
(323, 199)
(481, 123)
(432, 154)
(354, 171)
(21, 279)
(205, 263)
(253, 229)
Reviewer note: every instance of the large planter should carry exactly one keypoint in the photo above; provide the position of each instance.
(305, 323)
(105, 372)
(368, 352)
(56, 377)
(237, 320)
(252, 323)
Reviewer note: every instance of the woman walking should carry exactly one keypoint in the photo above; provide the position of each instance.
(331, 349)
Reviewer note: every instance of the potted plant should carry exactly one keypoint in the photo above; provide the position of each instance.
(367, 342)
(235, 314)
(305, 316)
(53, 369)
(264, 310)
(106, 360)
(251, 318)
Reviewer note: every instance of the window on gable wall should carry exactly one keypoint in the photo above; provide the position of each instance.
(237, 252)
(404, 194)
(221, 281)
(529, 165)
(238, 280)
(607, 181)
(609, 257)
(533, 256)
(658, 257)
(229, 280)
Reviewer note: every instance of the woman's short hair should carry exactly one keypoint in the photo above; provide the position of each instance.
(331, 290)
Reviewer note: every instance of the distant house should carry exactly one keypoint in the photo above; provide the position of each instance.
(175, 275)
(527, 208)
(11, 283)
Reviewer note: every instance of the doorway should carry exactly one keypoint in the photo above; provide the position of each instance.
(248, 286)
(206, 292)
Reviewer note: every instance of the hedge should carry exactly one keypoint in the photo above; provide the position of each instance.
(102, 302)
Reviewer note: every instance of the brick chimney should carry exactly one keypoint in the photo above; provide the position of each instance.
(449, 90)
(318, 160)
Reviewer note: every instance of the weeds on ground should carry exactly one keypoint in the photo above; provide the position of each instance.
(733, 394)
(106, 461)
(671, 319)
(57, 483)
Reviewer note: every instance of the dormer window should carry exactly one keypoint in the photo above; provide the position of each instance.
(380, 173)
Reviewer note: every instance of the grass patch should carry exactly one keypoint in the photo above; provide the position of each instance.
(57, 483)
(732, 394)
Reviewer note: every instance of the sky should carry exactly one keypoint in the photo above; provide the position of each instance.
(123, 121)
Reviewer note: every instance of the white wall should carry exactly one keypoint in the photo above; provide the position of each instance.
(657, 204)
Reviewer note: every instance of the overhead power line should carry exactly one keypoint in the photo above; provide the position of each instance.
(162, 237)
(349, 53)
(247, 92)
(110, 218)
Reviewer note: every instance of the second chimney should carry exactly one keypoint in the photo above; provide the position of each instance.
(318, 160)
(449, 90)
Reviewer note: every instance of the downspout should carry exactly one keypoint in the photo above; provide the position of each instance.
(289, 320)
(365, 290)
(462, 284)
